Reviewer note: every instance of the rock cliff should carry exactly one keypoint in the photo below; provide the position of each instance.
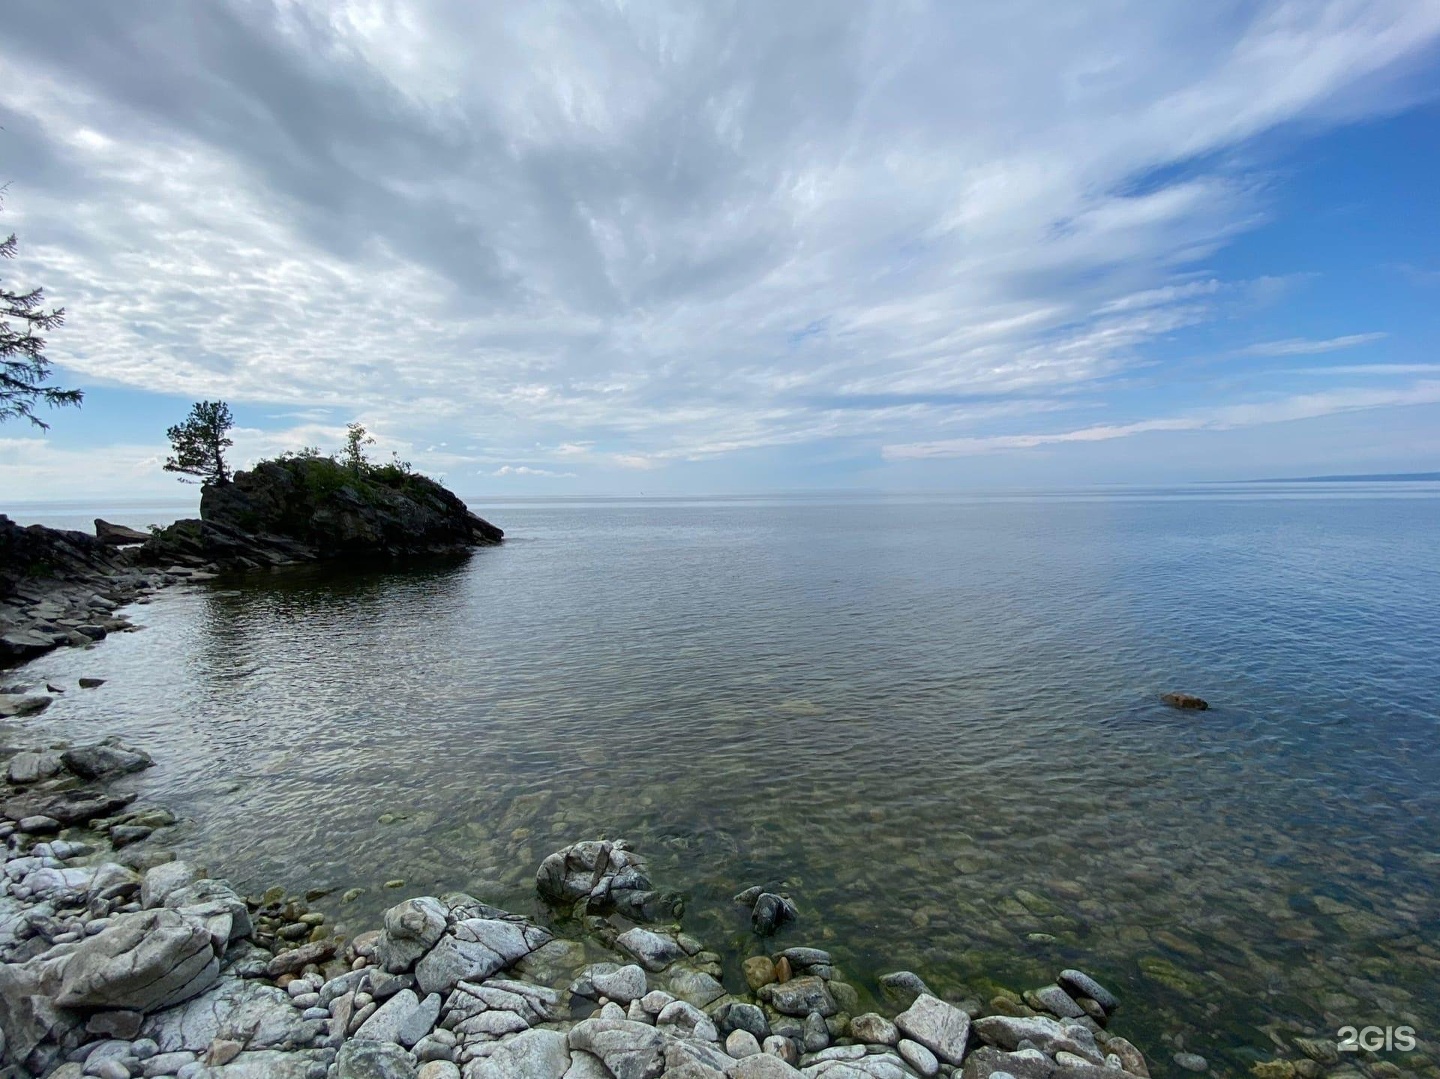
(310, 508)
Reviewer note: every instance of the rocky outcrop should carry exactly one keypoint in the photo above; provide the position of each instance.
(59, 588)
(312, 508)
(600, 877)
(118, 535)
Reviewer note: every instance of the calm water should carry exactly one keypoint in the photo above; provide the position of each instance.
(935, 719)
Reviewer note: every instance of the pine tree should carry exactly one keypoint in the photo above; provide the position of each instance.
(200, 443)
(24, 369)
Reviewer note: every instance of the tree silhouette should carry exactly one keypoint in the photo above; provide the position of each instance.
(200, 443)
(23, 366)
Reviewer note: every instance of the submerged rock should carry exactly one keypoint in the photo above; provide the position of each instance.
(1187, 702)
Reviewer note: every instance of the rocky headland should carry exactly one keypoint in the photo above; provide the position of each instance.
(61, 588)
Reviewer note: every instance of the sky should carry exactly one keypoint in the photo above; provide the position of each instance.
(617, 248)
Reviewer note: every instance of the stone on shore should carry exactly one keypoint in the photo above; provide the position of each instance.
(373, 1060)
(534, 1054)
(940, 1027)
(115, 535)
(1080, 984)
(142, 961)
(104, 760)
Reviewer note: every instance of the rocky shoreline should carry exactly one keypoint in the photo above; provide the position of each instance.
(122, 964)
(117, 961)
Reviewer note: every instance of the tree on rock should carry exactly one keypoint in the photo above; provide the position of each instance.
(23, 366)
(200, 443)
(356, 439)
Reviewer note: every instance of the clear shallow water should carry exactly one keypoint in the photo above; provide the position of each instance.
(934, 718)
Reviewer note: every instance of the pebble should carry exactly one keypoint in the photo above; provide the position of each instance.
(1191, 1062)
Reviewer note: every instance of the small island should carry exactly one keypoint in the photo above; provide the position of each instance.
(64, 587)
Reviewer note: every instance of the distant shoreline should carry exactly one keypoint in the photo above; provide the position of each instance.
(1377, 477)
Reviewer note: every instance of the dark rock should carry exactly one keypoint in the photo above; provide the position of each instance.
(297, 959)
(308, 508)
(105, 759)
(68, 807)
(770, 913)
(34, 553)
(118, 535)
(737, 1015)
(901, 987)
(91, 683)
(799, 997)
(1080, 984)
(1185, 701)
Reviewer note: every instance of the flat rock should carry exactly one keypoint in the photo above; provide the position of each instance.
(385, 1024)
(479, 948)
(373, 1060)
(940, 1027)
(259, 1016)
(1047, 1035)
(630, 1050)
(655, 951)
(1026, 1064)
(104, 760)
(799, 997)
(535, 1054)
(142, 961)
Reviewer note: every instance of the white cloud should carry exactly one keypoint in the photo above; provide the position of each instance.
(1300, 407)
(639, 234)
(1299, 346)
(526, 470)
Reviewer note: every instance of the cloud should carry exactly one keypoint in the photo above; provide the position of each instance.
(525, 470)
(1298, 346)
(642, 234)
(1301, 407)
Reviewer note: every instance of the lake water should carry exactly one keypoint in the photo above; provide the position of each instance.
(935, 719)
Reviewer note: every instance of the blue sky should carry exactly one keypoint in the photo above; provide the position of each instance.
(606, 248)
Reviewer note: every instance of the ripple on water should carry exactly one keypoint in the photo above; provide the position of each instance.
(933, 720)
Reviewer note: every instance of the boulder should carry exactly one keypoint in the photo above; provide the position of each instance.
(477, 948)
(771, 911)
(655, 951)
(22, 704)
(1047, 1035)
(602, 877)
(373, 1060)
(799, 997)
(118, 535)
(307, 508)
(105, 759)
(629, 1050)
(31, 767)
(534, 1054)
(1187, 702)
(142, 961)
(1080, 984)
(256, 1015)
(940, 1027)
